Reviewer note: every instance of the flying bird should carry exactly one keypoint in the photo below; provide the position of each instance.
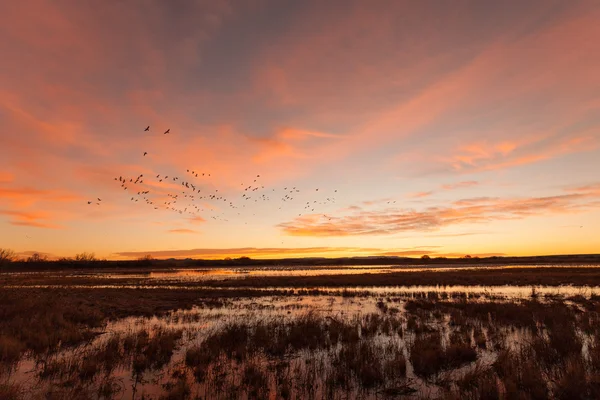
(167, 131)
(147, 128)
(145, 153)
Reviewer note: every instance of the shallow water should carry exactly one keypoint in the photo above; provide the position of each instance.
(199, 274)
(199, 323)
(443, 292)
(196, 325)
(192, 278)
(64, 372)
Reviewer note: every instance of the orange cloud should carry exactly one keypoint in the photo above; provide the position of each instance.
(277, 252)
(27, 196)
(459, 185)
(485, 157)
(32, 219)
(420, 195)
(473, 210)
(452, 186)
(197, 220)
(374, 202)
(290, 142)
(182, 231)
(6, 177)
(591, 188)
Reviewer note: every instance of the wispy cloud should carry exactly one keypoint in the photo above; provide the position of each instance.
(6, 177)
(460, 234)
(459, 185)
(183, 230)
(464, 211)
(502, 155)
(31, 219)
(450, 186)
(281, 252)
(27, 195)
(197, 220)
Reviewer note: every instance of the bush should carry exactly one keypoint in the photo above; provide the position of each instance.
(36, 258)
(6, 256)
(85, 257)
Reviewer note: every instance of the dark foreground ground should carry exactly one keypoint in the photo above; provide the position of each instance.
(238, 342)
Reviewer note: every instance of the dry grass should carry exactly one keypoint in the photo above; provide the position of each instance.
(10, 349)
(179, 390)
(429, 357)
(152, 352)
(520, 373)
(10, 392)
(311, 355)
(478, 383)
(42, 320)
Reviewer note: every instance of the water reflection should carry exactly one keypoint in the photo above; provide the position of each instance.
(314, 346)
(216, 273)
(471, 292)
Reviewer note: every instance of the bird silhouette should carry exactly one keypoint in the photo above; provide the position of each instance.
(167, 131)
(147, 128)
(145, 153)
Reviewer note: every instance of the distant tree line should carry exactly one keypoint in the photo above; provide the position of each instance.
(37, 261)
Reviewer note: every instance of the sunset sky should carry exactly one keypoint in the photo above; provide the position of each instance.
(428, 127)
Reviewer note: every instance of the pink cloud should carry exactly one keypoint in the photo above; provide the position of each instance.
(473, 210)
(459, 185)
(420, 195)
(31, 219)
(185, 231)
(281, 252)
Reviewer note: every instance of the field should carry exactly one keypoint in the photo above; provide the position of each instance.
(105, 335)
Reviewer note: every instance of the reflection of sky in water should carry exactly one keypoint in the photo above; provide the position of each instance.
(217, 273)
(198, 323)
(489, 291)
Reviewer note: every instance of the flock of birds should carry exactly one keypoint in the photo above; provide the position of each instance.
(196, 194)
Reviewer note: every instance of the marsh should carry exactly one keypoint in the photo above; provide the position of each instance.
(192, 335)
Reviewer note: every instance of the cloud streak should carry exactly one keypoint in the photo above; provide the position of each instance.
(280, 252)
(30, 219)
(184, 231)
(459, 185)
(465, 211)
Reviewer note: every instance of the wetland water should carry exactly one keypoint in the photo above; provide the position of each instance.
(313, 342)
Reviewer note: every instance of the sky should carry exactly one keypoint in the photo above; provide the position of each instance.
(337, 128)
